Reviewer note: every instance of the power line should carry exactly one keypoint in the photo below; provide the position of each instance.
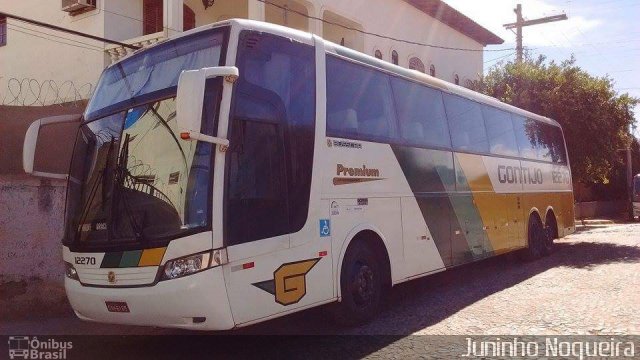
(58, 28)
(267, 3)
(498, 58)
(59, 42)
(380, 35)
(55, 36)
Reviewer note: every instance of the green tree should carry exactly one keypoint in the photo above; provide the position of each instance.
(596, 119)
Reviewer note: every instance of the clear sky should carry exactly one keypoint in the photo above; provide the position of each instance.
(604, 35)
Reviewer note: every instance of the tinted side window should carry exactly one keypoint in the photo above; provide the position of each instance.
(359, 102)
(561, 153)
(272, 120)
(539, 141)
(466, 124)
(421, 116)
(526, 137)
(502, 138)
(551, 144)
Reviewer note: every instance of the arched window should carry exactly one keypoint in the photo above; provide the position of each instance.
(456, 79)
(416, 64)
(394, 57)
(432, 70)
(378, 54)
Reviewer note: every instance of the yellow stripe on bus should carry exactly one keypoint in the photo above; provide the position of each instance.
(492, 207)
(152, 257)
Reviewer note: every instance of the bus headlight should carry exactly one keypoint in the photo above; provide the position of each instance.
(192, 264)
(70, 271)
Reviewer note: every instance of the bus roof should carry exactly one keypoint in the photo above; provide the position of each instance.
(308, 38)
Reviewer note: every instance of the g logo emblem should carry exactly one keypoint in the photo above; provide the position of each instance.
(289, 284)
(111, 277)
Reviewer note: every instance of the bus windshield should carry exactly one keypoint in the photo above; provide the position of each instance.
(142, 76)
(133, 181)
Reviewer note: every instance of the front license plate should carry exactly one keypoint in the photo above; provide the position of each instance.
(117, 306)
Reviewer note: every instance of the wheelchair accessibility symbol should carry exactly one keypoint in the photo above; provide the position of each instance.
(325, 227)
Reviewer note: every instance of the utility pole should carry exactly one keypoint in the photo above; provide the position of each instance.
(629, 180)
(521, 22)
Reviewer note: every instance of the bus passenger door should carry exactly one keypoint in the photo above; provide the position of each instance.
(268, 179)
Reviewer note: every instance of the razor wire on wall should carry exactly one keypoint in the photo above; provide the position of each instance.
(33, 92)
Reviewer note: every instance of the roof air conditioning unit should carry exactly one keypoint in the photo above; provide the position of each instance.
(73, 6)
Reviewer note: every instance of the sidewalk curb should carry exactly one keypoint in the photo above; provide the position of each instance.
(589, 222)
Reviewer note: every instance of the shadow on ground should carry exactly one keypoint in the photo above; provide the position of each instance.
(446, 293)
(425, 302)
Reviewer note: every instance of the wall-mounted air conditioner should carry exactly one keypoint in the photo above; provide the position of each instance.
(73, 6)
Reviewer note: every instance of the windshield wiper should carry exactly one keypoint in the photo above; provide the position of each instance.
(121, 176)
(94, 189)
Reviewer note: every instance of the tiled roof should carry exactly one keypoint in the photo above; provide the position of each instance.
(455, 19)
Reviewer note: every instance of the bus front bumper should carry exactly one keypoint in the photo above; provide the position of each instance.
(197, 302)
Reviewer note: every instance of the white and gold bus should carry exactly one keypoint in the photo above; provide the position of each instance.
(243, 171)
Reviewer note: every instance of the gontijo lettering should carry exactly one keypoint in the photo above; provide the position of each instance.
(519, 175)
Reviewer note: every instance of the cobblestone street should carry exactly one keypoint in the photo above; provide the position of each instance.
(590, 285)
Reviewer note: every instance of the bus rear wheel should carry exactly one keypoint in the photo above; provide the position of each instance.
(551, 233)
(537, 238)
(362, 286)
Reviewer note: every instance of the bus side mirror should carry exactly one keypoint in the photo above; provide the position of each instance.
(189, 101)
(31, 142)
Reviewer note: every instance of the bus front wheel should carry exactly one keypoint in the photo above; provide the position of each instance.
(361, 284)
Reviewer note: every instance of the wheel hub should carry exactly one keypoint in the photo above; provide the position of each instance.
(364, 283)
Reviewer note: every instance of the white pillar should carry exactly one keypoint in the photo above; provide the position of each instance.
(173, 13)
(256, 10)
(315, 26)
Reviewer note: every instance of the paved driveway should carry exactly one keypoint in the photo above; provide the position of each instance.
(590, 285)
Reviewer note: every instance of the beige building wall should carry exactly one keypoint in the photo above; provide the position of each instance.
(53, 65)
(28, 56)
(399, 19)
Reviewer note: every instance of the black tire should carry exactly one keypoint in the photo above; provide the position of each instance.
(536, 237)
(362, 286)
(551, 233)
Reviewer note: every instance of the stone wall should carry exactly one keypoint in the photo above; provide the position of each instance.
(31, 226)
(598, 209)
(31, 209)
